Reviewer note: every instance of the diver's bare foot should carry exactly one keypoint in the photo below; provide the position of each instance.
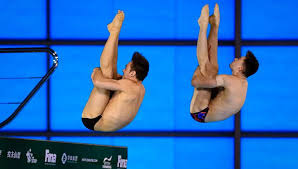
(204, 18)
(115, 25)
(215, 18)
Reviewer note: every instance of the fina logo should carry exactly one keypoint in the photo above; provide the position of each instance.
(49, 157)
(64, 158)
(122, 163)
(107, 162)
(30, 157)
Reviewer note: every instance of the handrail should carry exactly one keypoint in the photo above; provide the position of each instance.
(39, 84)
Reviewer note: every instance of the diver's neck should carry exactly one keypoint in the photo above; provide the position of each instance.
(239, 75)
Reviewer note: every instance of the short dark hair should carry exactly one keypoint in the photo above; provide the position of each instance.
(251, 64)
(141, 65)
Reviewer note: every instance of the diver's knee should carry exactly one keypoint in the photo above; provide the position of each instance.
(107, 72)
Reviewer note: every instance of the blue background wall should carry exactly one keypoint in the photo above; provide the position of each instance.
(271, 98)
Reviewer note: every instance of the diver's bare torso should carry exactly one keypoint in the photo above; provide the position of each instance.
(122, 107)
(228, 101)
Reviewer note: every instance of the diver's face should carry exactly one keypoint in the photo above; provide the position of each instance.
(127, 70)
(237, 63)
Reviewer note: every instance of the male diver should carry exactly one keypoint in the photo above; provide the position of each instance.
(115, 100)
(233, 88)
